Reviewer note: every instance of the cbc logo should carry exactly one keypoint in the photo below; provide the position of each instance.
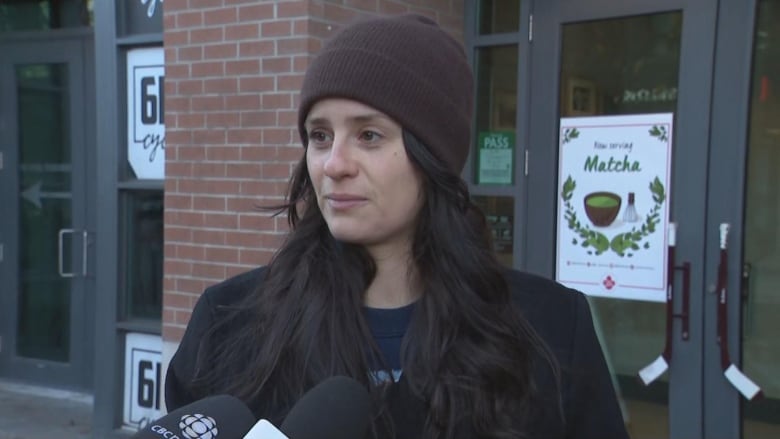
(198, 426)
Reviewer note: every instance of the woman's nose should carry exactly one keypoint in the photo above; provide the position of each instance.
(340, 162)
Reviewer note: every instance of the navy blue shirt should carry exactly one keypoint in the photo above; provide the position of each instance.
(388, 326)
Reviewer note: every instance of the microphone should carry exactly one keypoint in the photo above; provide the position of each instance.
(337, 408)
(220, 416)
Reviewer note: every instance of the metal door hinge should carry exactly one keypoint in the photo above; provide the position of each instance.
(2, 255)
(1, 160)
(530, 27)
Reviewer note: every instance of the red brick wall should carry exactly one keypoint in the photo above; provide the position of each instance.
(233, 71)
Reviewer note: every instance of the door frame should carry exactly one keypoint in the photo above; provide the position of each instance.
(686, 405)
(725, 203)
(73, 47)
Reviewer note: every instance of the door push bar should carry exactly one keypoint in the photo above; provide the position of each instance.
(736, 377)
(652, 371)
(60, 257)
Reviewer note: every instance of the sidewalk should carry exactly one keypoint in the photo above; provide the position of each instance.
(31, 412)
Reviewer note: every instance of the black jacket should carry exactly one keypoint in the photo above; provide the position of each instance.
(559, 315)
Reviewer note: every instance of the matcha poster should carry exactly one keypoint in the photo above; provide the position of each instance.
(613, 205)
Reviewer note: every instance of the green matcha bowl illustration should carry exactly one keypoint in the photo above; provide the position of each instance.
(602, 208)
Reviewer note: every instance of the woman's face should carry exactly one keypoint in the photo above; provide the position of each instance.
(367, 188)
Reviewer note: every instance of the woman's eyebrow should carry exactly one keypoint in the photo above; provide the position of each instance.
(316, 121)
(370, 117)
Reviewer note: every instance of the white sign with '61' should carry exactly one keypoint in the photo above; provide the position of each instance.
(143, 379)
(146, 112)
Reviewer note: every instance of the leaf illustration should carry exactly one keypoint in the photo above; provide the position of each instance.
(570, 133)
(657, 189)
(659, 132)
(568, 188)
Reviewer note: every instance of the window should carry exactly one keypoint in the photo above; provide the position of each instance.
(31, 15)
(142, 221)
(497, 46)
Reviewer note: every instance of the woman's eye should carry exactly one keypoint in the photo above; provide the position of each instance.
(370, 136)
(318, 137)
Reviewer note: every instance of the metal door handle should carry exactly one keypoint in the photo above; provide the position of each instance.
(733, 374)
(652, 371)
(747, 308)
(84, 243)
(60, 257)
(60, 254)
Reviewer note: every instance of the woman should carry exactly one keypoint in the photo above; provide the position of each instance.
(388, 276)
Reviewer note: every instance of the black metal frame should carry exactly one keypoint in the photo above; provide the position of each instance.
(113, 39)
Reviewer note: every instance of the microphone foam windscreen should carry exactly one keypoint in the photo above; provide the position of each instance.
(221, 416)
(337, 408)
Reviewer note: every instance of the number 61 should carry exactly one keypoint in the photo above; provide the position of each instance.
(152, 105)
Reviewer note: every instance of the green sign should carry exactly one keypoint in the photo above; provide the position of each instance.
(495, 162)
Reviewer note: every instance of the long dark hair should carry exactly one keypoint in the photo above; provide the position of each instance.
(467, 352)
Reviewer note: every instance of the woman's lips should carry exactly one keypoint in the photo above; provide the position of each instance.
(344, 201)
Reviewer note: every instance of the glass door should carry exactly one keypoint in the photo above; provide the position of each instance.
(617, 67)
(619, 63)
(46, 312)
(760, 280)
(744, 192)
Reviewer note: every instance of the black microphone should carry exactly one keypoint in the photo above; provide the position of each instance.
(220, 416)
(337, 408)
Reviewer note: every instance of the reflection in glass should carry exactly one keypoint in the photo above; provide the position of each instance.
(499, 212)
(622, 66)
(498, 16)
(612, 67)
(31, 15)
(45, 207)
(143, 231)
(761, 349)
(496, 111)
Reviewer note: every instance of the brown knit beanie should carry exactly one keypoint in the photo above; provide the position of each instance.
(406, 67)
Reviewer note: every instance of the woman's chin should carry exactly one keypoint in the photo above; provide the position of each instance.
(348, 236)
(357, 237)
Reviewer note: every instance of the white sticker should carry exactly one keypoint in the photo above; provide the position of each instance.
(654, 370)
(741, 382)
